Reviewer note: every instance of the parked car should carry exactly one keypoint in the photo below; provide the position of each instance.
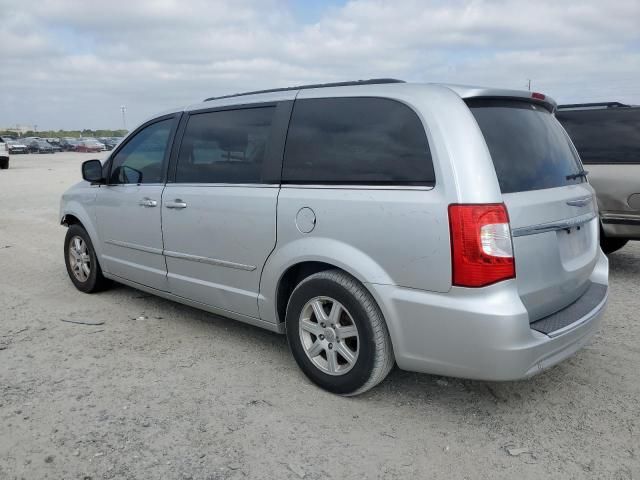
(16, 147)
(69, 144)
(55, 146)
(4, 155)
(95, 140)
(448, 229)
(109, 142)
(89, 146)
(39, 146)
(607, 135)
(115, 141)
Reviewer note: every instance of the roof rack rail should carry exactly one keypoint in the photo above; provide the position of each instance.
(371, 81)
(593, 105)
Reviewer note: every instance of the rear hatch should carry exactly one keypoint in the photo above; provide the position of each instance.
(552, 209)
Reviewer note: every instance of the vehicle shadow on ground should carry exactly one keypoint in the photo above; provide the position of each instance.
(400, 386)
(625, 261)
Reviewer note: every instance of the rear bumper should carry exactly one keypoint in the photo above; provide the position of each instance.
(479, 333)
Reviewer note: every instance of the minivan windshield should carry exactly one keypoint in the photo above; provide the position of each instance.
(529, 148)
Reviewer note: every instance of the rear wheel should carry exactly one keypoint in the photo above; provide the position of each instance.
(81, 261)
(4, 163)
(610, 245)
(337, 334)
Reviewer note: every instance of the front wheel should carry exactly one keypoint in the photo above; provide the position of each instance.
(81, 261)
(337, 333)
(4, 163)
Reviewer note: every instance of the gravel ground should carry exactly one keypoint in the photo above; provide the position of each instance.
(161, 390)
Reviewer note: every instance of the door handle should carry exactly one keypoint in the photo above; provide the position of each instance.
(177, 204)
(147, 202)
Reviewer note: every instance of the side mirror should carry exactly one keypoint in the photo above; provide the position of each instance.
(92, 171)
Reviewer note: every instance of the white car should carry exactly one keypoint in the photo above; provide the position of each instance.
(4, 155)
(15, 147)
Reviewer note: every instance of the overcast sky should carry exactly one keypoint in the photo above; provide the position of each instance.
(73, 63)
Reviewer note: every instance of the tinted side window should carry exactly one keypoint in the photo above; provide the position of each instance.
(356, 141)
(225, 146)
(141, 160)
(605, 135)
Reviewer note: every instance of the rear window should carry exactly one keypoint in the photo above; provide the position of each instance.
(529, 148)
(604, 136)
(367, 141)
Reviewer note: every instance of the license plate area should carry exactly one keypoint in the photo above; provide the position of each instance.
(576, 245)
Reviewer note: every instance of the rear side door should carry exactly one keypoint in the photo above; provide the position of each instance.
(552, 209)
(128, 207)
(219, 209)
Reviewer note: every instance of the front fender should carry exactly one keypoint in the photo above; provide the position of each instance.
(314, 249)
(79, 201)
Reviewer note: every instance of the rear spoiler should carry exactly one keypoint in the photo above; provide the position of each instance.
(466, 93)
(592, 106)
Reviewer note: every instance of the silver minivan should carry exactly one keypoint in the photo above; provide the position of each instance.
(445, 229)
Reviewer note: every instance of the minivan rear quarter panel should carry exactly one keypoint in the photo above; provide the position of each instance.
(356, 225)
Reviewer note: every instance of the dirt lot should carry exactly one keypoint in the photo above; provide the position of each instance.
(161, 390)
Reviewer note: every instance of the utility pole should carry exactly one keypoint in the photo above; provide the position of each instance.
(529, 80)
(123, 109)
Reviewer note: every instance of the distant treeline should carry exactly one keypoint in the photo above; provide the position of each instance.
(67, 133)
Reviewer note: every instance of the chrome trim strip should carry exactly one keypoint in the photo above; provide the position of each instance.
(130, 185)
(621, 218)
(226, 185)
(134, 246)
(210, 261)
(358, 187)
(552, 226)
(183, 256)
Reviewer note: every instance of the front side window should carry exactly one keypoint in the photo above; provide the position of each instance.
(356, 140)
(227, 146)
(141, 160)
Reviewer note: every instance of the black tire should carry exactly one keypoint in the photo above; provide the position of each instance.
(611, 244)
(95, 281)
(4, 163)
(375, 353)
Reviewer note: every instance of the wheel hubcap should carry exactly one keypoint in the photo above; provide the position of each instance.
(329, 335)
(79, 259)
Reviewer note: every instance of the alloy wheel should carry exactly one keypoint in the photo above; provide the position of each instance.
(79, 259)
(329, 335)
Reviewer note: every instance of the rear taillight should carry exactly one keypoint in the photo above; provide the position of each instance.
(481, 248)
